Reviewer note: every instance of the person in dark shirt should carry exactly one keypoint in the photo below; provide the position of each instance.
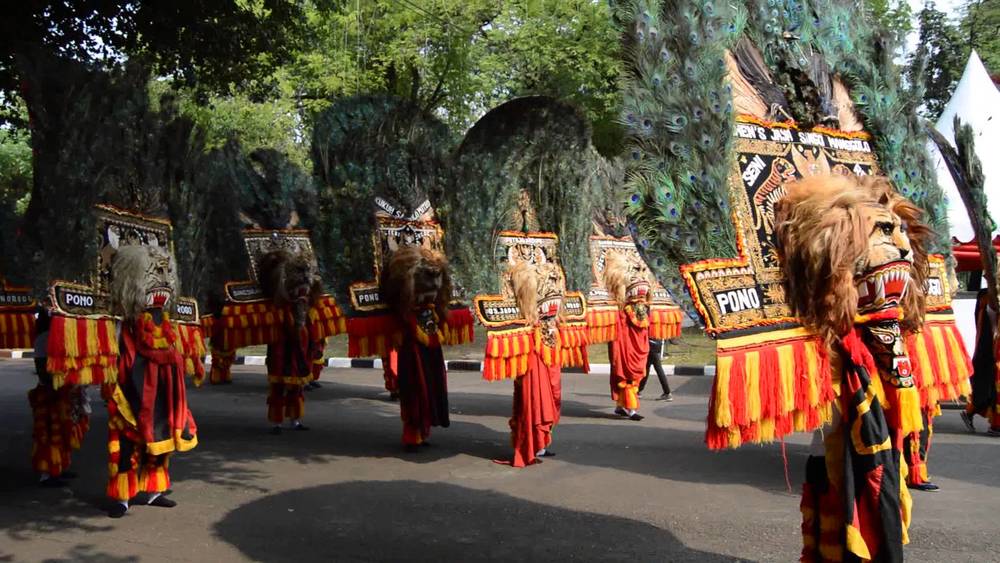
(655, 353)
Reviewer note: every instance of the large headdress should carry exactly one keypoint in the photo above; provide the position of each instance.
(780, 94)
(134, 272)
(381, 164)
(532, 160)
(386, 157)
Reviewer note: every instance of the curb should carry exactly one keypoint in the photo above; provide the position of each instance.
(17, 354)
(473, 365)
(376, 363)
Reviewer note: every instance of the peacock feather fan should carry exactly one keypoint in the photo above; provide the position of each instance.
(526, 165)
(365, 147)
(678, 116)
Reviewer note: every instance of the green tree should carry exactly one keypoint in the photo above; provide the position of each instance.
(81, 69)
(459, 58)
(895, 16)
(980, 29)
(939, 49)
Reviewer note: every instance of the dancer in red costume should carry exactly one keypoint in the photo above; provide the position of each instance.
(292, 284)
(539, 291)
(628, 283)
(416, 286)
(61, 416)
(148, 416)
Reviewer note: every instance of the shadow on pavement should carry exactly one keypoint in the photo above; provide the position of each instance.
(414, 521)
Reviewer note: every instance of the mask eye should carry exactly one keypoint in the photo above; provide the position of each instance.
(886, 228)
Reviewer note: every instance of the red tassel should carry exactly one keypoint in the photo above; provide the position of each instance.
(801, 376)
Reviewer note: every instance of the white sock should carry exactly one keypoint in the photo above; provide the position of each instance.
(632, 411)
(124, 503)
(540, 453)
(44, 477)
(152, 497)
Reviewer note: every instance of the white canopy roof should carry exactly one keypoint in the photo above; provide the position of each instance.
(976, 101)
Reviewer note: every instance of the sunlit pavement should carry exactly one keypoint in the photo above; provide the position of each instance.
(345, 491)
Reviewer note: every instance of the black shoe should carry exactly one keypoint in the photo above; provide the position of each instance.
(315, 384)
(393, 396)
(117, 511)
(163, 502)
(967, 419)
(665, 397)
(926, 486)
(547, 453)
(299, 427)
(276, 430)
(411, 448)
(636, 416)
(621, 412)
(68, 475)
(53, 483)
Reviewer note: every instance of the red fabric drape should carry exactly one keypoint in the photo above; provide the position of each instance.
(628, 353)
(535, 410)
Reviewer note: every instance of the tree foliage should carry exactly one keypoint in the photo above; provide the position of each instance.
(895, 16)
(938, 61)
(459, 58)
(210, 46)
(980, 30)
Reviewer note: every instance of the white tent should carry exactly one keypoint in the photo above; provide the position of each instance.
(976, 101)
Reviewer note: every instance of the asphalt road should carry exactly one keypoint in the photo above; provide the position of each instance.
(345, 491)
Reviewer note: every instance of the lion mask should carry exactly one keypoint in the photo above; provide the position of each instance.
(290, 279)
(627, 278)
(142, 278)
(539, 289)
(416, 278)
(843, 252)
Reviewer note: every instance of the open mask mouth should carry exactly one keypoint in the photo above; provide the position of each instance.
(301, 294)
(549, 307)
(637, 291)
(883, 287)
(157, 298)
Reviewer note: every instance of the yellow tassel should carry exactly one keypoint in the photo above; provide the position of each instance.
(786, 371)
(723, 412)
(909, 410)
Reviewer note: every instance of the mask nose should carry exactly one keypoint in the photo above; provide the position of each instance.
(903, 253)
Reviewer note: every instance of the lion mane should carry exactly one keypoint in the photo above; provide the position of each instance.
(135, 270)
(282, 272)
(619, 275)
(532, 283)
(411, 269)
(822, 243)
